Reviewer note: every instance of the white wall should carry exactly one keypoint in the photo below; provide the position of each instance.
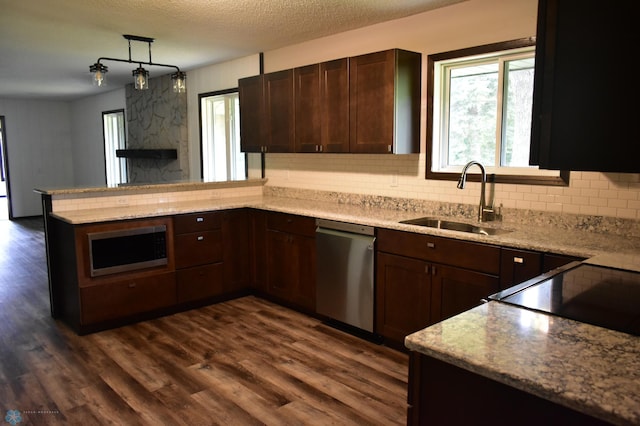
(87, 149)
(38, 147)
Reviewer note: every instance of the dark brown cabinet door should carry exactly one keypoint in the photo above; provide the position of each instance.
(517, 266)
(291, 259)
(553, 261)
(307, 108)
(583, 120)
(251, 99)
(304, 290)
(281, 264)
(371, 85)
(200, 282)
(334, 95)
(236, 240)
(384, 91)
(127, 297)
(321, 95)
(403, 296)
(456, 290)
(259, 250)
(198, 248)
(278, 108)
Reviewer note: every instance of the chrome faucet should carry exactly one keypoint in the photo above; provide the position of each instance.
(485, 213)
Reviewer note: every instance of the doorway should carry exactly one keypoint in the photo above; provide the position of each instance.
(5, 204)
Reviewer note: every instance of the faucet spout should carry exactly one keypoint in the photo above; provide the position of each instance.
(483, 209)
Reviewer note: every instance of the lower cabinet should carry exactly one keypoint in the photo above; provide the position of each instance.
(199, 282)
(440, 393)
(403, 296)
(456, 290)
(127, 297)
(290, 259)
(198, 256)
(414, 291)
(236, 250)
(518, 266)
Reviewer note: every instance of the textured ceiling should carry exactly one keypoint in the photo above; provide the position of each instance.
(46, 46)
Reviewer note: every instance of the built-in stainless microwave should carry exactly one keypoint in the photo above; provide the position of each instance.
(124, 250)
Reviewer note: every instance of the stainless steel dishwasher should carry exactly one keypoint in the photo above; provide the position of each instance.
(345, 261)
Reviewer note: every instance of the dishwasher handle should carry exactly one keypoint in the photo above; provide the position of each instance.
(351, 228)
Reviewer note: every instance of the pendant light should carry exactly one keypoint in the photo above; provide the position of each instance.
(98, 74)
(140, 75)
(179, 81)
(141, 78)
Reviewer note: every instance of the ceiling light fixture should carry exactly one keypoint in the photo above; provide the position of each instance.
(140, 75)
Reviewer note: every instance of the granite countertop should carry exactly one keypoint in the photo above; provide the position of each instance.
(185, 185)
(530, 237)
(590, 369)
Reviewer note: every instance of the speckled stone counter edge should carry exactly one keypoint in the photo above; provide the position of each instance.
(587, 368)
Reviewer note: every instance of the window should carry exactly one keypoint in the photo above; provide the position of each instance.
(220, 137)
(482, 104)
(113, 133)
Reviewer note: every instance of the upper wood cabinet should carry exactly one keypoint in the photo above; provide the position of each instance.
(364, 104)
(278, 108)
(584, 116)
(266, 118)
(385, 102)
(251, 98)
(321, 95)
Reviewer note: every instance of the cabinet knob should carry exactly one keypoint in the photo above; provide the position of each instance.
(199, 219)
(132, 284)
(517, 259)
(431, 245)
(200, 238)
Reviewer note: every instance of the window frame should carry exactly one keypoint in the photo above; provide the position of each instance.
(211, 94)
(561, 180)
(123, 167)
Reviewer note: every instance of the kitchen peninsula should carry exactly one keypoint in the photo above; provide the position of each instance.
(494, 327)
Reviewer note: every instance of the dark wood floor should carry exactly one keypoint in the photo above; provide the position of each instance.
(246, 361)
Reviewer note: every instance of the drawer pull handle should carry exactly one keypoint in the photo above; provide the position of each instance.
(518, 260)
(200, 219)
(132, 285)
(431, 245)
(200, 238)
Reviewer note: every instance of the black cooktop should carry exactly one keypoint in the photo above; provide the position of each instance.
(596, 295)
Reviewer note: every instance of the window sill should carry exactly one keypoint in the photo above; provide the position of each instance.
(562, 180)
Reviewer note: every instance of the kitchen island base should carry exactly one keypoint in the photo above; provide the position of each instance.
(443, 394)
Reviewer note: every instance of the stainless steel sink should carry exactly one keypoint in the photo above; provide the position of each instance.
(432, 222)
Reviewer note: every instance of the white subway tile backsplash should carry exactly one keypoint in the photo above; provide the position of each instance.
(591, 193)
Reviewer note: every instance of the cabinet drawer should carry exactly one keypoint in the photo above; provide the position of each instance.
(196, 222)
(461, 254)
(200, 282)
(292, 224)
(198, 248)
(128, 297)
(518, 266)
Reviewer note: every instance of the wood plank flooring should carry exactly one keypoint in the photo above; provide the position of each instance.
(242, 362)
